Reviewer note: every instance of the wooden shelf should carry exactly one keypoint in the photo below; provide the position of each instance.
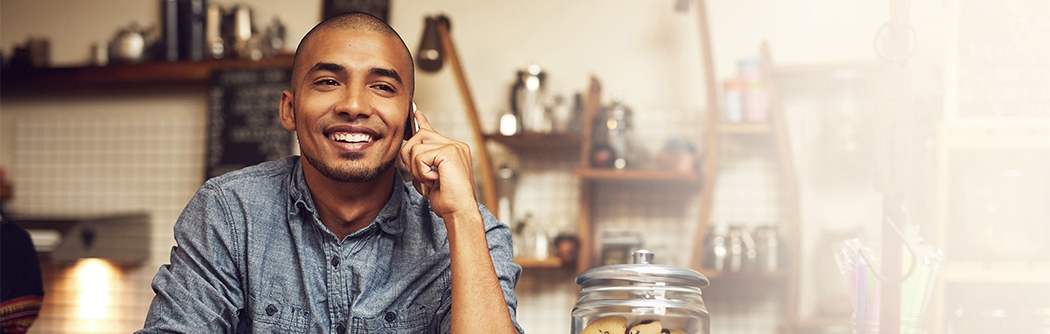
(128, 75)
(538, 141)
(534, 263)
(634, 175)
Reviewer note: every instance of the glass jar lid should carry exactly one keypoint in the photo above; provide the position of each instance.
(644, 272)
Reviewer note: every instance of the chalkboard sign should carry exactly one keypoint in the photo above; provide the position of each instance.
(244, 125)
(1003, 55)
(378, 8)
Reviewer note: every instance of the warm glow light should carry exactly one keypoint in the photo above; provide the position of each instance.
(93, 281)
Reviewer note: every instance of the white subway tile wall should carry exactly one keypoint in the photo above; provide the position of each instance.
(105, 162)
(96, 162)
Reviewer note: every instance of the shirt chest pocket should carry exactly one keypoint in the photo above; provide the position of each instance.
(271, 316)
(415, 319)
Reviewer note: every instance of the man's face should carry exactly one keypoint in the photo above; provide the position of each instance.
(348, 105)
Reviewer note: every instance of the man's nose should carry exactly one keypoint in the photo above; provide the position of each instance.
(355, 102)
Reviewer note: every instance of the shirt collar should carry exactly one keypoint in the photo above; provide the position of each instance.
(390, 219)
(298, 192)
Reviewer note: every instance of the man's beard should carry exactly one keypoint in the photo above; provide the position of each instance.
(353, 175)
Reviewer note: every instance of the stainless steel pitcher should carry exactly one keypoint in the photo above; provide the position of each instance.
(527, 100)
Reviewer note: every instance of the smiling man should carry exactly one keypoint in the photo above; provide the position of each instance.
(336, 241)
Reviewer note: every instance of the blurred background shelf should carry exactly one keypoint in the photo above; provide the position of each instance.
(563, 141)
(534, 263)
(635, 175)
(127, 75)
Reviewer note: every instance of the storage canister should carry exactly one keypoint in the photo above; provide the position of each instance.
(640, 298)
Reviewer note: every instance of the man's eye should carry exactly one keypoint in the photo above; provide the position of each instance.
(384, 87)
(327, 82)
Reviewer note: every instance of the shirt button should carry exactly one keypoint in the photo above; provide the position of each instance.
(270, 309)
(340, 329)
(390, 316)
(335, 261)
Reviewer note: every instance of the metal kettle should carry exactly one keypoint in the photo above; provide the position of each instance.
(526, 100)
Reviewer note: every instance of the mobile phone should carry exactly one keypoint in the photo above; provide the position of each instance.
(410, 123)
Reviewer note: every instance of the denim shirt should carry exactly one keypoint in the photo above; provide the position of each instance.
(253, 257)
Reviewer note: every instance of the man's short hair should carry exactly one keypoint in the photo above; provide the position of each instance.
(352, 21)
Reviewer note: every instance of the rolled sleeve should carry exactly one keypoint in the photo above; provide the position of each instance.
(501, 250)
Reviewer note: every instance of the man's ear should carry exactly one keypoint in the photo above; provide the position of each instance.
(287, 110)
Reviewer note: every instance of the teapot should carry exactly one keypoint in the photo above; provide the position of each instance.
(130, 44)
(526, 100)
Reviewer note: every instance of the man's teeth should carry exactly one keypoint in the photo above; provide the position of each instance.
(351, 137)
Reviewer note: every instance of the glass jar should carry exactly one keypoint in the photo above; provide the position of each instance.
(642, 296)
